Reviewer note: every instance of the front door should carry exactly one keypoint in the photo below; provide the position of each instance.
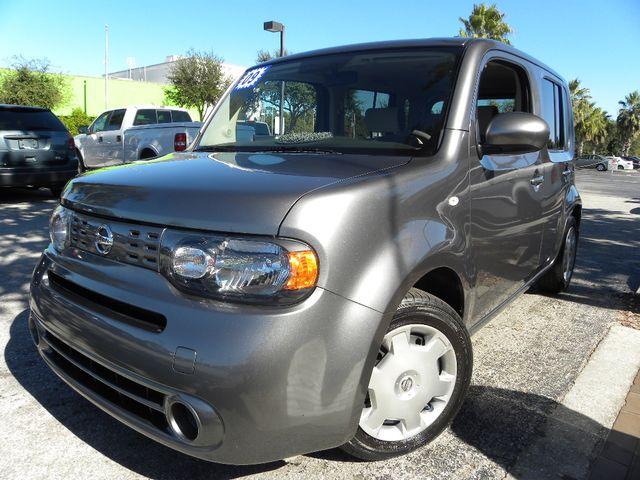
(92, 144)
(506, 213)
(112, 139)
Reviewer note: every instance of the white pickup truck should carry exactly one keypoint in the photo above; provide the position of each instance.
(133, 133)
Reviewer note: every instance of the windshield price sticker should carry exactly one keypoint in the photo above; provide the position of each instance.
(251, 77)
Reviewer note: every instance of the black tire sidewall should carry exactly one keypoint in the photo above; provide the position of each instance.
(449, 323)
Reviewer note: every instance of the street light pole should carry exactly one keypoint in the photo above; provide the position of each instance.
(106, 67)
(278, 27)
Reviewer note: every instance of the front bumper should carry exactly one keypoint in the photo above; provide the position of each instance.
(38, 177)
(267, 382)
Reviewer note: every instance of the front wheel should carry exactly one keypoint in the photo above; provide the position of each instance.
(600, 167)
(419, 380)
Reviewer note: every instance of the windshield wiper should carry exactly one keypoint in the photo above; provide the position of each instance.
(215, 148)
(299, 149)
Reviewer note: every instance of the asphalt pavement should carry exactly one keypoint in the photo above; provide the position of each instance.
(527, 361)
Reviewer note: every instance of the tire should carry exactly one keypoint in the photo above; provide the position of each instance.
(147, 154)
(558, 278)
(418, 312)
(81, 166)
(620, 167)
(600, 167)
(56, 191)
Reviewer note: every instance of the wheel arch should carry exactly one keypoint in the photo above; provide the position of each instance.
(146, 152)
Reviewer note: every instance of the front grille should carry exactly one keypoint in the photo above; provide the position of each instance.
(139, 400)
(115, 309)
(132, 244)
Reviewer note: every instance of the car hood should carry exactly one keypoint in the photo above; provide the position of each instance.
(225, 192)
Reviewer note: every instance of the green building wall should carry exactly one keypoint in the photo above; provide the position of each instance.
(121, 94)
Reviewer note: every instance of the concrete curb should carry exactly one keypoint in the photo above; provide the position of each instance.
(587, 412)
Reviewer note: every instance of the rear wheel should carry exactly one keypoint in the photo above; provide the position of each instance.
(81, 166)
(620, 167)
(419, 381)
(558, 277)
(147, 154)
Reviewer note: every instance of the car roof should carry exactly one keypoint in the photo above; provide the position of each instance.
(482, 44)
(26, 108)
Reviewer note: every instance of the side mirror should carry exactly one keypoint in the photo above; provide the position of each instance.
(515, 133)
(83, 129)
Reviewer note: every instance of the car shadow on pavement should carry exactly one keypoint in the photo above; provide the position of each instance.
(500, 423)
(608, 257)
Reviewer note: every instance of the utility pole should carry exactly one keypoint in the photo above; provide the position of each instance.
(106, 67)
(277, 27)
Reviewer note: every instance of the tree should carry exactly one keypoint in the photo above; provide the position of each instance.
(30, 83)
(628, 120)
(590, 122)
(264, 55)
(299, 98)
(76, 119)
(197, 81)
(486, 22)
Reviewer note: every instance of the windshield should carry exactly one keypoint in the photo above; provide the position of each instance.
(380, 102)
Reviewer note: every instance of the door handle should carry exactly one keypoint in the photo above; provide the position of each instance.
(537, 181)
(99, 139)
(118, 138)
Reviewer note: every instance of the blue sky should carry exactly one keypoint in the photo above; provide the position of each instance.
(596, 41)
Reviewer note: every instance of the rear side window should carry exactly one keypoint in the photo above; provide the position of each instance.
(553, 111)
(115, 120)
(25, 119)
(164, 116)
(145, 117)
(180, 116)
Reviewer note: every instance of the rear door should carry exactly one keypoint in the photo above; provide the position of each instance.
(557, 158)
(32, 137)
(505, 212)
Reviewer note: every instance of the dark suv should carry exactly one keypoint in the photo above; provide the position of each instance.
(36, 149)
(257, 297)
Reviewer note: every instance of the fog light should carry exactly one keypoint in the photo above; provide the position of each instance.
(192, 262)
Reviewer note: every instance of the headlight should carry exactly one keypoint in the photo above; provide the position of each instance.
(59, 228)
(243, 269)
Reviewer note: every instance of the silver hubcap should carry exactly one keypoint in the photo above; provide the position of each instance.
(569, 257)
(411, 383)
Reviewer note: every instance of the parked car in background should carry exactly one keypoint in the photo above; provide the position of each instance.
(134, 133)
(635, 160)
(260, 129)
(255, 298)
(619, 163)
(598, 162)
(36, 150)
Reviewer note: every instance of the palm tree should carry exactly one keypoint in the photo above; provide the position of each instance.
(629, 120)
(580, 97)
(486, 22)
(594, 126)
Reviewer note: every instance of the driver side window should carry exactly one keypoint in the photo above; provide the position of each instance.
(100, 123)
(503, 88)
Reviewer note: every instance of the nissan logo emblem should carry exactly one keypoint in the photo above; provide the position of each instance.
(104, 239)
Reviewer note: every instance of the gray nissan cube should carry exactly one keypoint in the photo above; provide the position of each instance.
(261, 296)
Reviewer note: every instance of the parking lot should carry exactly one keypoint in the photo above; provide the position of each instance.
(527, 360)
